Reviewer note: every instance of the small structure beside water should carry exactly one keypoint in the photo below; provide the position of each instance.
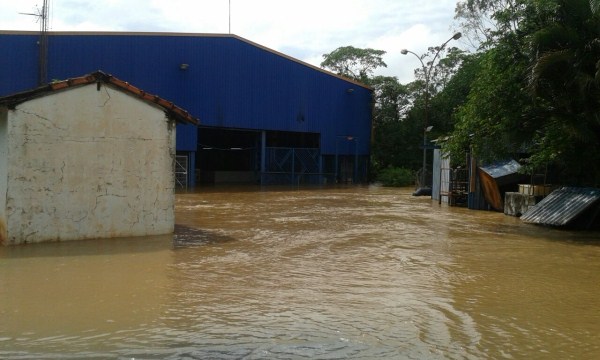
(498, 179)
(502, 187)
(517, 203)
(88, 157)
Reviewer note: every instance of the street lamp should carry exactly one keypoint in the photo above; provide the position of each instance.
(423, 190)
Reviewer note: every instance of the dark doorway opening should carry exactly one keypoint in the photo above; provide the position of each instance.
(229, 156)
(287, 139)
(236, 156)
(227, 150)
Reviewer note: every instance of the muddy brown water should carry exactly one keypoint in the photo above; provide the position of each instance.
(327, 273)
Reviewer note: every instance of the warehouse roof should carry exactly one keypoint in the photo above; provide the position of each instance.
(171, 109)
(176, 34)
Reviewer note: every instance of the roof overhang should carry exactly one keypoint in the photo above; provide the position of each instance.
(173, 111)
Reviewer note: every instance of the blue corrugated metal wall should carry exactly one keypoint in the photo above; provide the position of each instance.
(18, 63)
(230, 82)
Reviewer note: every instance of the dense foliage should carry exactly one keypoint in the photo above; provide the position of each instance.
(536, 96)
(355, 63)
(531, 91)
(396, 177)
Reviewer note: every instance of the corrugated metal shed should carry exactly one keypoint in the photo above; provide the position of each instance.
(567, 206)
(495, 176)
(501, 169)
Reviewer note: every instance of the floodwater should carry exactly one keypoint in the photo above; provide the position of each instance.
(322, 273)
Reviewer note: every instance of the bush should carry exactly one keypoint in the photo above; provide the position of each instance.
(396, 177)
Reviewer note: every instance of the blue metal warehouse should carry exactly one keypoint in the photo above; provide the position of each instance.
(265, 117)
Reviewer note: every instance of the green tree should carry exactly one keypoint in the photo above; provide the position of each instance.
(394, 143)
(400, 110)
(454, 94)
(392, 101)
(565, 80)
(444, 90)
(427, 105)
(536, 94)
(483, 22)
(493, 122)
(354, 63)
(490, 122)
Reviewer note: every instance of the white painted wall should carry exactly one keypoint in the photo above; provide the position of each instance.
(88, 163)
(441, 176)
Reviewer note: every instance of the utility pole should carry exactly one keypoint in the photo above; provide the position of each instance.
(424, 189)
(42, 17)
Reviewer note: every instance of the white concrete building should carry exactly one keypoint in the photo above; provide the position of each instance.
(90, 157)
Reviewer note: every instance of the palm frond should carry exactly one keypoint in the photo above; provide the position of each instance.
(548, 66)
(595, 6)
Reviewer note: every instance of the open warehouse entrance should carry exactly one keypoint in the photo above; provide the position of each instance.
(257, 157)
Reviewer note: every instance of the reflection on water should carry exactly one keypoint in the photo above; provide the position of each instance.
(332, 273)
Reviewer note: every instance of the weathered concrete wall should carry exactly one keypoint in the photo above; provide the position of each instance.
(3, 173)
(89, 163)
(516, 204)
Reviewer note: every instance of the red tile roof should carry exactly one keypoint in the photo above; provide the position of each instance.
(171, 109)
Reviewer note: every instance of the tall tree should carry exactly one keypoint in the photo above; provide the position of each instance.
(484, 21)
(431, 104)
(537, 94)
(391, 99)
(394, 137)
(494, 121)
(454, 92)
(354, 63)
(565, 79)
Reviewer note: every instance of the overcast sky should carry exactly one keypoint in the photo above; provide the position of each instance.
(304, 29)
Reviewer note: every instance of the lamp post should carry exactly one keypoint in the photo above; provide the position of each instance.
(426, 128)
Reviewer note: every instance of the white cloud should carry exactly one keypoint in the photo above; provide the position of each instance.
(415, 39)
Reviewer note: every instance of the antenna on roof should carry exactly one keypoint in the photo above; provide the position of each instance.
(42, 18)
(229, 17)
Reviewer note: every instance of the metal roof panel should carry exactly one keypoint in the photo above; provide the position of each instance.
(562, 206)
(500, 169)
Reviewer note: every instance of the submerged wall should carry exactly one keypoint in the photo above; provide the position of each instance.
(88, 162)
(3, 173)
(517, 204)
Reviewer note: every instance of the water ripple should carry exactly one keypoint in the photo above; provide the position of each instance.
(332, 273)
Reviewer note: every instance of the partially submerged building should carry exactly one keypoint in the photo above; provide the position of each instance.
(498, 178)
(500, 186)
(266, 117)
(477, 186)
(88, 157)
